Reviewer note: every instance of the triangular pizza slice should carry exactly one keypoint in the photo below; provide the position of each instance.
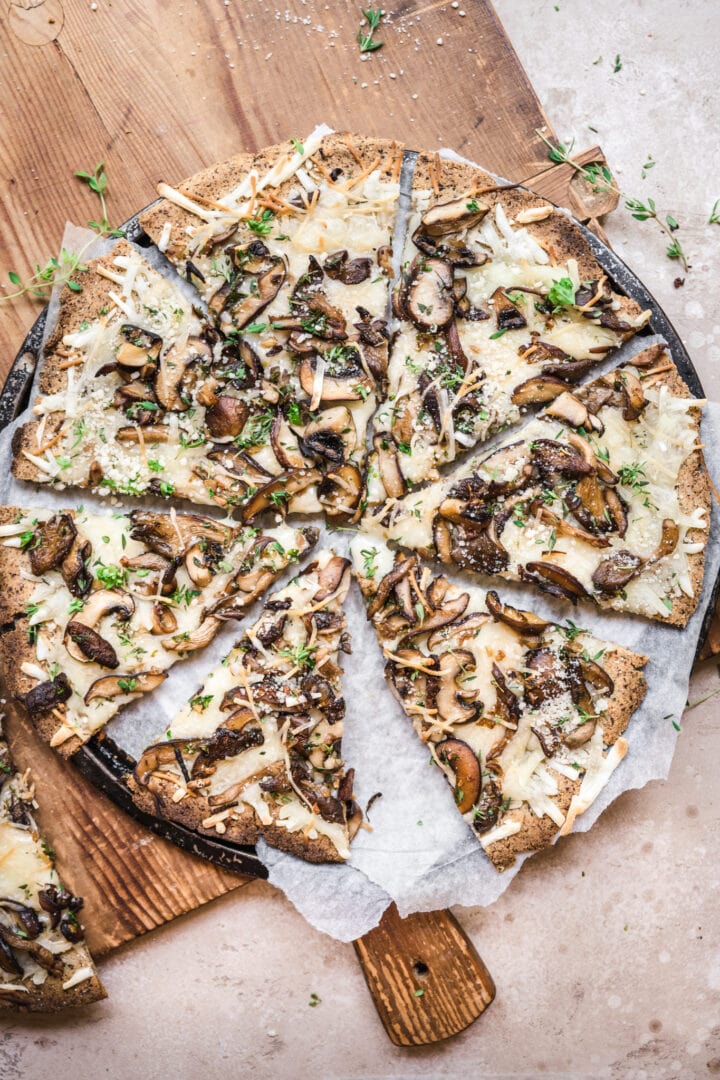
(291, 248)
(44, 962)
(95, 609)
(500, 296)
(602, 497)
(524, 716)
(257, 750)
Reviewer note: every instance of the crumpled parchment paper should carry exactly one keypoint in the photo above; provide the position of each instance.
(420, 853)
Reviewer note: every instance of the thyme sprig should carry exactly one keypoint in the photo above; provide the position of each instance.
(366, 40)
(56, 271)
(600, 178)
(97, 181)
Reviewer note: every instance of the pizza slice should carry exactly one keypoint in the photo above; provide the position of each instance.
(524, 716)
(44, 962)
(257, 751)
(499, 298)
(291, 248)
(95, 609)
(602, 497)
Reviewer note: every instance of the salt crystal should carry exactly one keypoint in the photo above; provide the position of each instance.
(439, 41)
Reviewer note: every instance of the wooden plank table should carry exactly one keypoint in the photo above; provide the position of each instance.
(158, 91)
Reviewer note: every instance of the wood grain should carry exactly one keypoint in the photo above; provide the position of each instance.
(159, 88)
(132, 881)
(425, 976)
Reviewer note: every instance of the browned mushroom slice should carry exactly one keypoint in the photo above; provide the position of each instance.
(449, 217)
(507, 314)
(104, 602)
(430, 302)
(633, 393)
(453, 702)
(346, 383)
(198, 638)
(486, 813)
(538, 390)
(570, 370)
(544, 676)
(442, 539)
(465, 767)
(400, 570)
(227, 417)
(285, 444)
(173, 370)
(525, 622)
(340, 491)
(616, 510)
(263, 292)
(89, 646)
(164, 753)
(75, 567)
(170, 535)
(138, 347)
(565, 528)
(614, 573)
(330, 578)
(163, 619)
(569, 409)
(389, 466)
(587, 502)
(279, 491)
(554, 580)
(111, 686)
(151, 433)
(47, 695)
(458, 632)
(340, 267)
(332, 437)
(51, 543)
(448, 613)
(138, 401)
(455, 251)
(551, 456)
(580, 735)
(480, 551)
(595, 675)
(668, 541)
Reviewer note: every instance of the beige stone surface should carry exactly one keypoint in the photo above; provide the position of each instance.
(606, 952)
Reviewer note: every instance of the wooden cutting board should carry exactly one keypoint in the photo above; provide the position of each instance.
(184, 90)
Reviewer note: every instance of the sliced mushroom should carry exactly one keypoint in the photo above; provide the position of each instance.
(553, 579)
(173, 372)
(350, 271)
(451, 702)
(111, 686)
(198, 638)
(349, 383)
(138, 348)
(330, 578)
(279, 491)
(244, 308)
(525, 622)
(163, 619)
(227, 417)
(458, 632)
(448, 613)
(332, 437)
(569, 409)
(52, 542)
(551, 456)
(480, 551)
(75, 567)
(442, 539)
(614, 573)
(538, 390)
(450, 217)
(85, 644)
(507, 314)
(488, 808)
(389, 466)
(151, 433)
(170, 535)
(430, 302)
(400, 570)
(565, 528)
(668, 541)
(285, 444)
(47, 695)
(580, 735)
(340, 491)
(465, 767)
(544, 676)
(106, 602)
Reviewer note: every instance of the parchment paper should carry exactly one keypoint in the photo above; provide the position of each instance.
(419, 853)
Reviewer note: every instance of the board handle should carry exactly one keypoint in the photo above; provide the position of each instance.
(425, 976)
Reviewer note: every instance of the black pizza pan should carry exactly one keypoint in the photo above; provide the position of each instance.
(105, 763)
